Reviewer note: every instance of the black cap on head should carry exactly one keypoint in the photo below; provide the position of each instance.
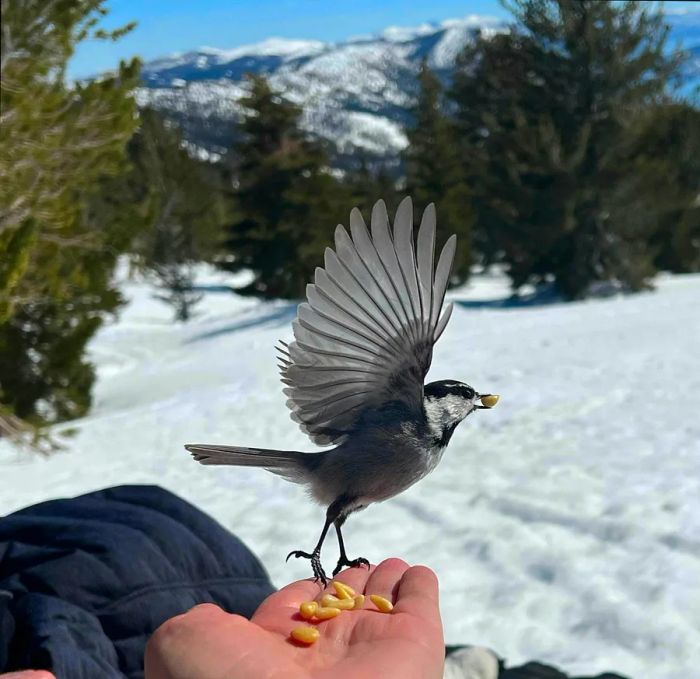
(443, 388)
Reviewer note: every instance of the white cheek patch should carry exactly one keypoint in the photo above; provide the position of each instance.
(445, 411)
(456, 407)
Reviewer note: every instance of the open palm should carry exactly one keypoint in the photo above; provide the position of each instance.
(208, 643)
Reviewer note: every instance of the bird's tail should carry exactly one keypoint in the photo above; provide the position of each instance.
(290, 464)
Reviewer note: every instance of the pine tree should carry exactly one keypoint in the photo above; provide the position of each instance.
(59, 147)
(666, 149)
(15, 245)
(286, 201)
(434, 172)
(367, 184)
(544, 118)
(185, 211)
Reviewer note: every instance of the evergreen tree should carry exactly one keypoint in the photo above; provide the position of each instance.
(176, 282)
(666, 147)
(286, 201)
(366, 185)
(185, 211)
(544, 116)
(434, 171)
(15, 244)
(59, 146)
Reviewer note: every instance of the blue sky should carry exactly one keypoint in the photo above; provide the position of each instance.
(166, 26)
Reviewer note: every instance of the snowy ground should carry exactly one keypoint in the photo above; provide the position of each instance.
(564, 525)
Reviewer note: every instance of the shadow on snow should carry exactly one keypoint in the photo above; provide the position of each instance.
(277, 317)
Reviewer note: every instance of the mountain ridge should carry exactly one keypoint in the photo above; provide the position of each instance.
(355, 94)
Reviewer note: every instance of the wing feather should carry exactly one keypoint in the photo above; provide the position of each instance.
(326, 287)
(330, 358)
(442, 323)
(319, 339)
(425, 259)
(376, 283)
(368, 253)
(345, 278)
(349, 314)
(381, 237)
(328, 324)
(365, 335)
(403, 242)
(442, 277)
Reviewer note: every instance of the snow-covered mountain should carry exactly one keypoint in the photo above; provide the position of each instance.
(355, 94)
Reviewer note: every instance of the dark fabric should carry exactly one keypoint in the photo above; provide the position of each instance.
(85, 581)
(532, 670)
(535, 670)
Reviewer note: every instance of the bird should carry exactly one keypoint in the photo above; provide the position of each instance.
(354, 373)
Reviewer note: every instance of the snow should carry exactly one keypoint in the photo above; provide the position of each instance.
(218, 98)
(203, 56)
(455, 36)
(279, 47)
(563, 524)
(404, 33)
(375, 133)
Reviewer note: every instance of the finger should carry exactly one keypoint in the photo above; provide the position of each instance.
(418, 592)
(205, 611)
(385, 578)
(191, 643)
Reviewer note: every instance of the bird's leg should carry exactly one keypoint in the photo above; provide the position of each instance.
(315, 556)
(332, 513)
(343, 560)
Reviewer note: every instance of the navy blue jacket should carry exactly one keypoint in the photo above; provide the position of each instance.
(84, 582)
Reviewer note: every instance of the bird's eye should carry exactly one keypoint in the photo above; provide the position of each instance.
(469, 393)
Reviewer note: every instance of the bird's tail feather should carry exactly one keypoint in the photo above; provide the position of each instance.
(290, 464)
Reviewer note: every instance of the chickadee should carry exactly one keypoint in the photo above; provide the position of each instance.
(354, 373)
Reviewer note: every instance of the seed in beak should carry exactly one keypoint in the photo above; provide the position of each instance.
(490, 400)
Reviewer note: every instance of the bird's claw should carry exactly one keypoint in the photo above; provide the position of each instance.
(297, 553)
(350, 563)
(315, 558)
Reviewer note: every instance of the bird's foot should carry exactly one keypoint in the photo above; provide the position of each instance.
(351, 563)
(315, 558)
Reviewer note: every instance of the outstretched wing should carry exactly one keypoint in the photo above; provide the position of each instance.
(365, 335)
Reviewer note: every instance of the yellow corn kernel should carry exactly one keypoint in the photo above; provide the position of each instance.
(359, 600)
(342, 590)
(490, 400)
(306, 634)
(335, 602)
(326, 612)
(308, 609)
(384, 605)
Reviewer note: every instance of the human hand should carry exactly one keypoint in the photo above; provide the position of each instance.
(208, 643)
